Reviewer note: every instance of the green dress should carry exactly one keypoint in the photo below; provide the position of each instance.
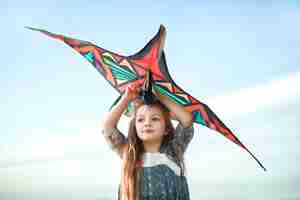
(160, 176)
(161, 180)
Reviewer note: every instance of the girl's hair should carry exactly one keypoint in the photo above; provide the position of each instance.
(134, 150)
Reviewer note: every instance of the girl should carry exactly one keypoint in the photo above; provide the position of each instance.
(152, 154)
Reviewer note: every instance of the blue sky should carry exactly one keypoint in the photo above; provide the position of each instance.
(241, 58)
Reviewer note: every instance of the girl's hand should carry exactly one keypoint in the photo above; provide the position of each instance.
(131, 92)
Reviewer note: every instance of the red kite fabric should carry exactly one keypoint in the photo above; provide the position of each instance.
(120, 71)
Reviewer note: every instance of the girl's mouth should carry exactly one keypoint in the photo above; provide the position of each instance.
(148, 131)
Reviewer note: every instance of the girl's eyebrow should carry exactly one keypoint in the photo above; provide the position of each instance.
(159, 115)
(156, 114)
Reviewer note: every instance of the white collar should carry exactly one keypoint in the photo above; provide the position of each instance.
(157, 158)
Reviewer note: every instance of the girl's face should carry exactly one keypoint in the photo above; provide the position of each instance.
(150, 123)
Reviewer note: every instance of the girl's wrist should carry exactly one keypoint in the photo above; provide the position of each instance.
(126, 98)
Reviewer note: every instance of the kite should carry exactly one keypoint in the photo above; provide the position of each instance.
(120, 71)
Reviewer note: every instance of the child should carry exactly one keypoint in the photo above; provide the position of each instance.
(152, 154)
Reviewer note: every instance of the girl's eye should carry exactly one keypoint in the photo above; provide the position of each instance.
(155, 119)
(140, 120)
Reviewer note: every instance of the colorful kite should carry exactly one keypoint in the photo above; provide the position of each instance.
(120, 71)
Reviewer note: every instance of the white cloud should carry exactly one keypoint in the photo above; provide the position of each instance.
(41, 145)
(247, 100)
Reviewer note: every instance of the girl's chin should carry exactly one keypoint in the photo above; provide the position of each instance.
(149, 138)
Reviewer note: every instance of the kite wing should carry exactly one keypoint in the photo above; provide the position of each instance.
(120, 71)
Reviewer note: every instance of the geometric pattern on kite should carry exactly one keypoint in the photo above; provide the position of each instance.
(120, 71)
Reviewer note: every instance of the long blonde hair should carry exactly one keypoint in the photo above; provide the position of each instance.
(134, 150)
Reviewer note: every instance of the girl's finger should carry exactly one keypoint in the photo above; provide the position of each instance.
(130, 87)
(135, 85)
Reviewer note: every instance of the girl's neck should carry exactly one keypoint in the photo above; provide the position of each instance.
(152, 147)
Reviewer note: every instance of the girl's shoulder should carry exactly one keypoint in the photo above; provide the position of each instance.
(182, 136)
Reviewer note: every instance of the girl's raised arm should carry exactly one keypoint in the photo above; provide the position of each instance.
(181, 114)
(113, 136)
(184, 131)
(112, 118)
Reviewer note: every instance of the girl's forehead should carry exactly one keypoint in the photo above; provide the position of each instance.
(146, 109)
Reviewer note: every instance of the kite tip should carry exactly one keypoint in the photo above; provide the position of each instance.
(28, 27)
(260, 164)
(162, 27)
(31, 28)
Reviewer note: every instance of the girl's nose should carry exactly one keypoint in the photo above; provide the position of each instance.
(147, 122)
